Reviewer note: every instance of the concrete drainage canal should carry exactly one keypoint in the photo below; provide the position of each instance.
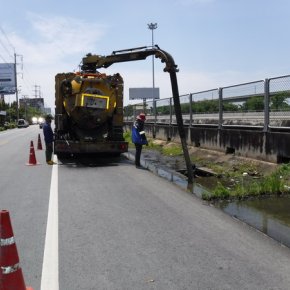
(269, 215)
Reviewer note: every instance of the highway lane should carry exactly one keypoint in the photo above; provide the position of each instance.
(123, 228)
(25, 192)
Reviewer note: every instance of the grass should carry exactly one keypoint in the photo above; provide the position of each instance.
(276, 183)
(8, 126)
(127, 137)
(173, 150)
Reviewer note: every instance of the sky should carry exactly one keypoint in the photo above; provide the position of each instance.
(215, 43)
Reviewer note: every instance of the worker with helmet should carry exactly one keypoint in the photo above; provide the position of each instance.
(48, 139)
(139, 137)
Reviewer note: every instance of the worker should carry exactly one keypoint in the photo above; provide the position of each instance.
(48, 139)
(139, 137)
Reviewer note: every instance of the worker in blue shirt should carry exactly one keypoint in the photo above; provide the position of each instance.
(139, 137)
(48, 139)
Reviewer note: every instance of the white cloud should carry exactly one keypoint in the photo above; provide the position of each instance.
(69, 34)
(55, 44)
(55, 38)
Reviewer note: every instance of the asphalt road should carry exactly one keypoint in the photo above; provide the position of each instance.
(25, 193)
(124, 228)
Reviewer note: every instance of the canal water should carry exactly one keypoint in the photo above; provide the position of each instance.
(270, 215)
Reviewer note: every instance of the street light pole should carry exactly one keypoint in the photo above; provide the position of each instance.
(153, 26)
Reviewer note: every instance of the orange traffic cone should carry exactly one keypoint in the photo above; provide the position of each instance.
(32, 158)
(39, 145)
(11, 276)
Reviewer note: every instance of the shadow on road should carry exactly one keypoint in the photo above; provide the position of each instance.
(90, 160)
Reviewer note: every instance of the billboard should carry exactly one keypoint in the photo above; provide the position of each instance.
(143, 93)
(7, 78)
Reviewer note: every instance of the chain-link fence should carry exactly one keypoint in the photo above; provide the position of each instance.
(243, 104)
(279, 101)
(164, 110)
(263, 103)
(205, 107)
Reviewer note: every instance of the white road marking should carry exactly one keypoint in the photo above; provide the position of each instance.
(50, 276)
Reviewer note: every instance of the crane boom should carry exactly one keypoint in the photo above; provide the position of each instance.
(93, 62)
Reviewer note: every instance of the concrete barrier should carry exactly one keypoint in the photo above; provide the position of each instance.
(253, 142)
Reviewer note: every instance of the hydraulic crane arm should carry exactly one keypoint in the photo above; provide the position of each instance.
(93, 62)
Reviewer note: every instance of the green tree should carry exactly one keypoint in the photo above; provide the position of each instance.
(163, 110)
(278, 101)
(206, 106)
(128, 111)
(11, 114)
(254, 104)
(230, 107)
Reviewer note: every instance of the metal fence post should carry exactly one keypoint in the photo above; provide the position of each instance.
(170, 118)
(190, 118)
(220, 108)
(190, 110)
(155, 118)
(154, 110)
(144, 106)
(134, 112)
(170, 111)
(266, 105)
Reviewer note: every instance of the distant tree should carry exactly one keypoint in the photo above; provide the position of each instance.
(279, 102)
(128, 111)
(185, 108)
(11, 114)
(206, 106)
(254, 104)
(230, 107)
(163, 110)
(2, 106)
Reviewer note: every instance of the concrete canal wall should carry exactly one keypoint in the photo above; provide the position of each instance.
(272, 146)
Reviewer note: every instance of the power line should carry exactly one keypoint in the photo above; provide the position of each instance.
(9, 42)
(5, 61)
(5, 48)
(26, 79)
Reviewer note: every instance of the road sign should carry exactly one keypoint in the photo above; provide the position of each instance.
(143, 93)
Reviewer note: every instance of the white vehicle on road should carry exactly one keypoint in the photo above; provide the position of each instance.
(22, 123)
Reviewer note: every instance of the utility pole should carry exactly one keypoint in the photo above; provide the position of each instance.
(16, 88)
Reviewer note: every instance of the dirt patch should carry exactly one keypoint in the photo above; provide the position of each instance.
(212, 159)
(226, 168)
